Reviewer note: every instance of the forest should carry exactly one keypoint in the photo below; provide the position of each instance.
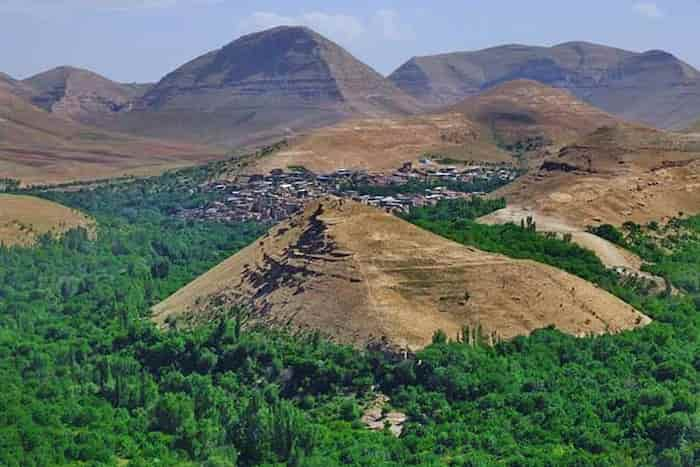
(88, 380)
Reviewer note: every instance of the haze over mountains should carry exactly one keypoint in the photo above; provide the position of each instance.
(653, 87)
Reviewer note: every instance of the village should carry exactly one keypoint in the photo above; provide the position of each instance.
(274, 197)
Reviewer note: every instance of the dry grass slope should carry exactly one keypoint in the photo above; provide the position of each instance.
(364, 277)
(24, 218)
(38, 147)
(617, 174)
(383, 144)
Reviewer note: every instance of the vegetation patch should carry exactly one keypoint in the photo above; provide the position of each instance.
(88, 381)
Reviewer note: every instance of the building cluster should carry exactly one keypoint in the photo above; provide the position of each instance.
(274, 197)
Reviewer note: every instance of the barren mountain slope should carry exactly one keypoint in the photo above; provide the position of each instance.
(78, 94)
(362, 276)
(653, 87)
(383, 144)
(517, 110)
(614, 175)
(38, 147)
(265, 85)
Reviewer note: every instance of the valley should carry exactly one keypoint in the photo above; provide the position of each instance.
(274, 254)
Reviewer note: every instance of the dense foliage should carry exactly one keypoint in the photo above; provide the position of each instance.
(87, 380)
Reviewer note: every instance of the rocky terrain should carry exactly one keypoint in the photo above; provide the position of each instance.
(653, 87)
(614, 175)
(80, 95)
(365, 277)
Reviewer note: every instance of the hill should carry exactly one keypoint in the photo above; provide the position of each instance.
(614, 175)
(516, 116)
(263, 86)
(80, 94)
(362, 276)
(653, 87)
(383, 144)
(24, 218)
(38, 147)
(521, 110)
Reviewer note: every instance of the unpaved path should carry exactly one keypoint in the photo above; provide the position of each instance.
(610, 254)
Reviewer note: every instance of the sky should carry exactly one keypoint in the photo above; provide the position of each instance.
(142, 40)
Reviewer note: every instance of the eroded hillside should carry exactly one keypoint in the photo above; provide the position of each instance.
(365, 277)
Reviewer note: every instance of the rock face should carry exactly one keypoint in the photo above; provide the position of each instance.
(80, 95)
(286, 78)
(361, 276)
(652, 87)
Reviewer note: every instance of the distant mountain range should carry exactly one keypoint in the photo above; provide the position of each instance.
(289, 81)
(653, 87)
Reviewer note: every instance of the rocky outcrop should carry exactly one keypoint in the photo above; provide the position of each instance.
(80, 95)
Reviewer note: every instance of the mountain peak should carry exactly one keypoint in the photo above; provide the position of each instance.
(282, 79)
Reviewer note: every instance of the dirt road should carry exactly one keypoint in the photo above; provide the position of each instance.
(610, 254)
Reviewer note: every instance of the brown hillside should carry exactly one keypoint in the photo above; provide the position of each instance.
(614, 175)
(24, 218)
(522, 109)
(38, 147)
(263, 86)
(362, 276)
(80, 95)
(383, 144)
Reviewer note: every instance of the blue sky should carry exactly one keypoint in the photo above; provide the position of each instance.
(141, 40)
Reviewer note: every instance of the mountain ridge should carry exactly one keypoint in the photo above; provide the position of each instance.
(653, 87)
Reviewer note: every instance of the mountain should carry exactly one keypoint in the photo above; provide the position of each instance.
(79, 94)
(39, 147)
(653, 87)
(262, 86)
(365, 277)
(516, 111)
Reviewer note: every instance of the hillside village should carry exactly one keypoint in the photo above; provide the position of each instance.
(275, 197)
